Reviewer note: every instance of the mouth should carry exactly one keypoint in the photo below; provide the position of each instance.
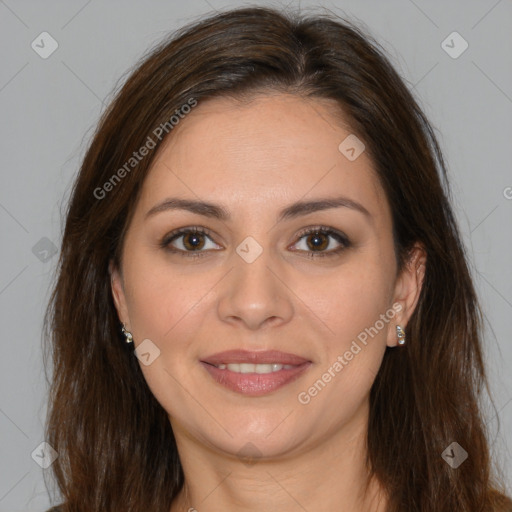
(255, 373)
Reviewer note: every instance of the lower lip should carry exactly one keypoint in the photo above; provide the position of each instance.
(255, 384)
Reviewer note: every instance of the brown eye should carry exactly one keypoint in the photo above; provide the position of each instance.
(193, 240)
(190, 242)
(318, 239)
(187, 242)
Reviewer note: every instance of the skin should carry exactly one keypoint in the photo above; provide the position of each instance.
(255, 159)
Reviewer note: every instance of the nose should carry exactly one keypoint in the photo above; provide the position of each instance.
(256, 294)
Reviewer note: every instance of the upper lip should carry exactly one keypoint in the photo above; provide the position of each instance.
(246, 356)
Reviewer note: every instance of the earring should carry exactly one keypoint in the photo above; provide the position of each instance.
(128, 334)
(400, 335)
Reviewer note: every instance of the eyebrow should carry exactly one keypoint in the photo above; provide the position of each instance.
(290, 212)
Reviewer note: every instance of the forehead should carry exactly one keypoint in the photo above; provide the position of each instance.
(272, 150)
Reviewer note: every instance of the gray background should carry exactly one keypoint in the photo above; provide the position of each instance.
(50, 106)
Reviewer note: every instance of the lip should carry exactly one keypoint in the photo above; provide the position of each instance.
(246, 356)
(255, 384)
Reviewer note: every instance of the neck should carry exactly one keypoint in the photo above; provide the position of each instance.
(331, 476)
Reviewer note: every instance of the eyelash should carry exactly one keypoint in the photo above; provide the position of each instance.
(338, 236)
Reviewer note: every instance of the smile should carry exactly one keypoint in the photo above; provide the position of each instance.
(254, 373)
(254, 368)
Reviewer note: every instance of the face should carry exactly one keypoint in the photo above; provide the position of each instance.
(308, 296)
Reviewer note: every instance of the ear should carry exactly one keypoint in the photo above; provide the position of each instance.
(117, 286)
(407, 290)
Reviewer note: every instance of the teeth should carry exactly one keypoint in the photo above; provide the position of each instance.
(254, 368)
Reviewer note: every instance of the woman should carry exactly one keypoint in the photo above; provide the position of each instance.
(263, 301)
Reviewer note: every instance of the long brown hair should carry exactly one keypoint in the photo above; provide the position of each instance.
(115, 442)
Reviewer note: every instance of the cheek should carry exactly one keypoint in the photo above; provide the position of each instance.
(159, 298)
(167, 308)
(357, 310)
(354, 299)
